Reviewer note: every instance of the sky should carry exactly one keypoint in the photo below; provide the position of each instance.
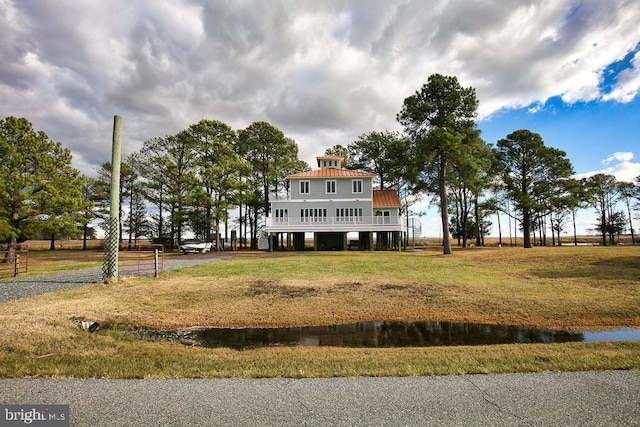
(324, 72)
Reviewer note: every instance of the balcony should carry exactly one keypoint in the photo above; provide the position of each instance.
(336, 224)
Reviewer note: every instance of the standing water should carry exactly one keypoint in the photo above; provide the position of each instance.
(392, 334)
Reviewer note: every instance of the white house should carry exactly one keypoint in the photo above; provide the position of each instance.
(331, 202)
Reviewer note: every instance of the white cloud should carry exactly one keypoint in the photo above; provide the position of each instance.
(323, 72)
(623, 170)
(618, 156)
(534, 109)
(628, 83)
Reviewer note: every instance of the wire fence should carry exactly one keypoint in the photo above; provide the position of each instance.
(141, 261)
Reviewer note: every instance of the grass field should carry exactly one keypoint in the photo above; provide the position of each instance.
(576, 288)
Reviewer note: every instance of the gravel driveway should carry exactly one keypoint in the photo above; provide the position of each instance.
(21, 287)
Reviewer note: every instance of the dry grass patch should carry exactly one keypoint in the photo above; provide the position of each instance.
(575, 288)
(279, 290)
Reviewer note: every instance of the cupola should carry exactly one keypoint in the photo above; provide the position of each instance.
(330, 161)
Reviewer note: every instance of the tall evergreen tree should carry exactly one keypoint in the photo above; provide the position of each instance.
(40, 192)
(88, 210)
(629, 192)
(172, 159)
(155, 188)
(377, 152)
(270, 153)
(574, 197)
(469, 177)
(342, 151)
(134, 211)
(437, 118)
(220, 171)
(604, 194)
(137, 223)
(532, 174)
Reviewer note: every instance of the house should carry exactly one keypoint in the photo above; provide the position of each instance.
(331, 202)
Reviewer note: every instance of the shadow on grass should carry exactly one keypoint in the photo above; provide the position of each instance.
(619, 268)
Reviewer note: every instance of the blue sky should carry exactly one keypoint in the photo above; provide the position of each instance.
(598, 136)
(324, 72)
(590, 132)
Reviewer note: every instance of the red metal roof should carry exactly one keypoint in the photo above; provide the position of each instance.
(386, 199)
(332, 173)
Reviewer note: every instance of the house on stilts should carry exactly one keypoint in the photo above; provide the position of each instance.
(336, 205)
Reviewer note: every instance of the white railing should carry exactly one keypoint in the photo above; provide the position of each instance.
(332, 220)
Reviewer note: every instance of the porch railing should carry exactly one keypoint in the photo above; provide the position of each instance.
(333, 220)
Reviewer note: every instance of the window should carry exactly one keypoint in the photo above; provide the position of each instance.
(330, 186)
(304, 187)
(282, 215)
(313, 215)
(356, 185)
(349, 215)
(320, 215)
(383, 217)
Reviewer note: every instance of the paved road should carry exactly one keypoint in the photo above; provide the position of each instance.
(610, 398)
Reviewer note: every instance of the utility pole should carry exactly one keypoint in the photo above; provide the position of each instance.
(110, 264)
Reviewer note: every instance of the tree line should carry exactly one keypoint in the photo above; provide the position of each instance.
(441, 153)
(191, 181)
(187, 182)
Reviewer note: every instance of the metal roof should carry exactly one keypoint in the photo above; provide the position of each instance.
(386, 199)
(332, 173)
(330, 156)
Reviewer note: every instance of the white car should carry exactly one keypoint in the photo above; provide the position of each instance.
(193, 246)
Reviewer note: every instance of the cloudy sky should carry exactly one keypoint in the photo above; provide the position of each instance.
(324, 72)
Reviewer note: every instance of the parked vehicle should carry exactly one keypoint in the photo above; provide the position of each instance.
(194, 246)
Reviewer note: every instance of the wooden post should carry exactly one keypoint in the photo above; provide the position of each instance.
(155, 263)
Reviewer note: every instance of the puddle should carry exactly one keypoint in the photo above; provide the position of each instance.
(626, 334)
(381, 334)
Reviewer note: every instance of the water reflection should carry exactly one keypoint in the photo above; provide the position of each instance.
(377, 334)
(625, 334)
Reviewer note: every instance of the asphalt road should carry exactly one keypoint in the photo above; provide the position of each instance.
(610, 398)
